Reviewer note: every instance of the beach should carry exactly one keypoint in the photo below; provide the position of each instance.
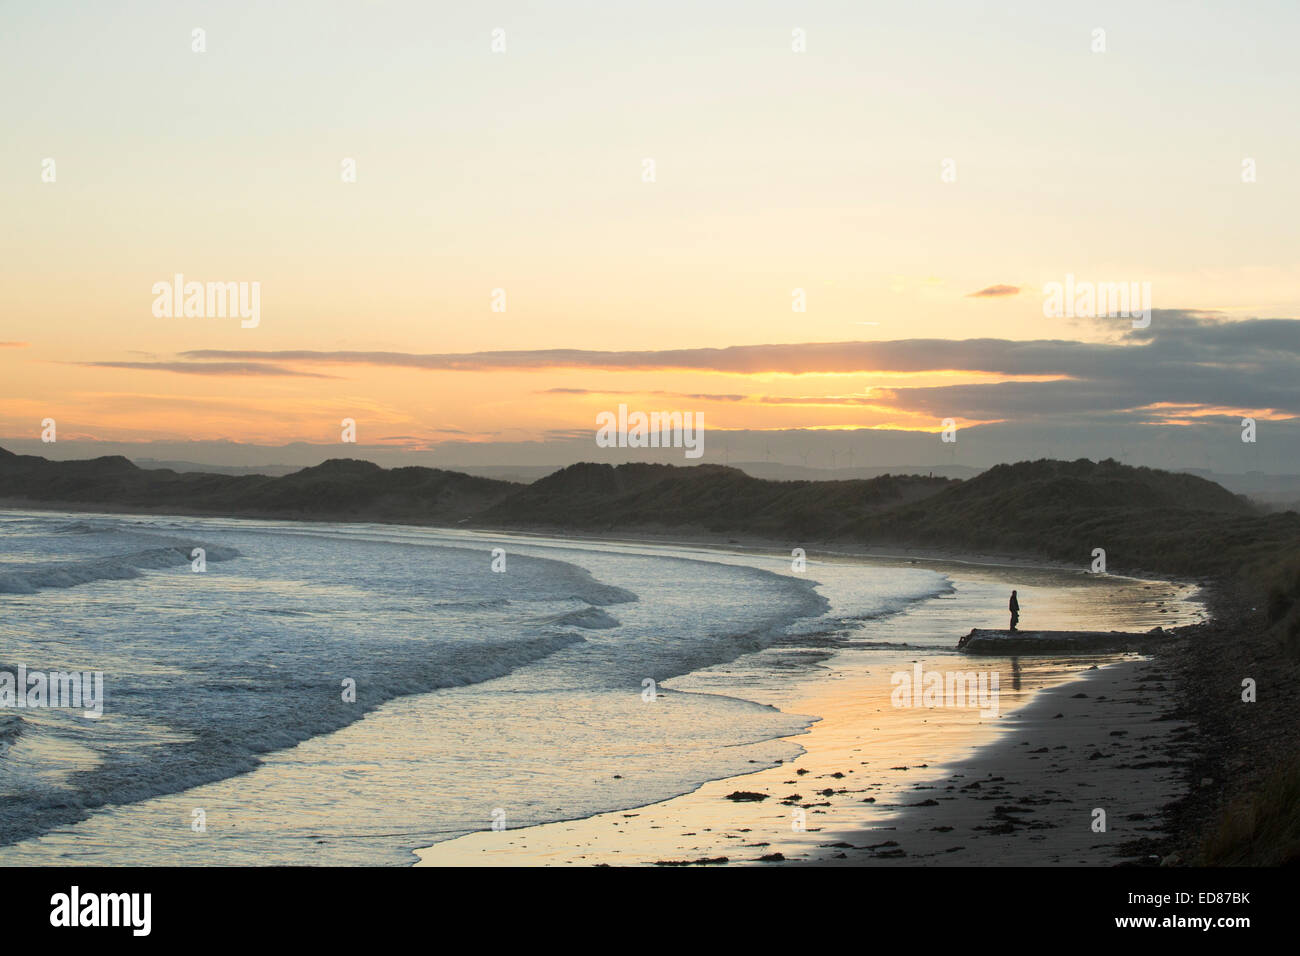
(886, 785)
(1026, 797)
(601, 701)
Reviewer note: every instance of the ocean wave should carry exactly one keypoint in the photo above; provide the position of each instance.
(484, 605)
(901, 602)
(27, 579)
(242, 717)
(843, 619)
(596, 592)
(80, 527)
(592, 618)
(11, 727)
(200, 688)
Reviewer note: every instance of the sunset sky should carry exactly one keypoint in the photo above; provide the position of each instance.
(522, 170)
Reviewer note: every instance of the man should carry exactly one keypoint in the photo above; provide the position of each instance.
(1015, 612)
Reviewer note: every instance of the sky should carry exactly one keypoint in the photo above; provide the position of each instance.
(918, 172)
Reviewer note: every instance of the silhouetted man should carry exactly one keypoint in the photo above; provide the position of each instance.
(1015, 612)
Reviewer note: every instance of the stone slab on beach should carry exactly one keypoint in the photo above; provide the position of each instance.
(1002, 642)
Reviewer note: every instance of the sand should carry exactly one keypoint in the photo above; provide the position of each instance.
(883, 785)
(1097, 743)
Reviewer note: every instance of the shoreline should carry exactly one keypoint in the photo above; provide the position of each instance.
(935, 559)
(704, 827)
(992, 808)
(1018, 779)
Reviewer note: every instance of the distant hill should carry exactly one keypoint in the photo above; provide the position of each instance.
(340, 489)
(272, 470)
(711, 498)
(519, 474)
(1143, 518)
(1275, 492)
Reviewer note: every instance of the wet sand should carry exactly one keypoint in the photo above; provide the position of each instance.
(905, 785)
(1097, 743)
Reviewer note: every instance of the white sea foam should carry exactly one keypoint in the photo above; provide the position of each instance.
(27, 579)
